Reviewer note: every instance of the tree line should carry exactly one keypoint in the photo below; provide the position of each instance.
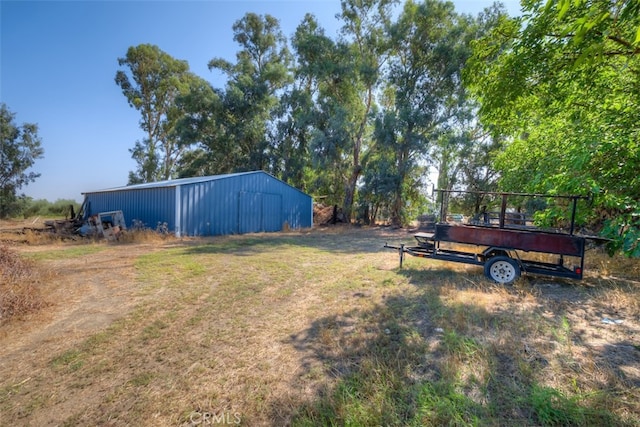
(544, 102)
(356, 119)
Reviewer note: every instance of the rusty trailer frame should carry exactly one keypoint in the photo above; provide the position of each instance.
(505, 249)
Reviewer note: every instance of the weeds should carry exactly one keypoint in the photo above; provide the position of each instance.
(144, 235)
(553, 408)
(19, 293)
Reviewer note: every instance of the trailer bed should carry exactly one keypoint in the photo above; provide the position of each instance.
(524, 240)
(505, 244)
(491, 242)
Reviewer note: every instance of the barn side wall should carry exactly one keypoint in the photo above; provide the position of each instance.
(151, 206)
(243, 203)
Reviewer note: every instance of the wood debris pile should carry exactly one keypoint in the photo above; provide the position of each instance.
(323, 214)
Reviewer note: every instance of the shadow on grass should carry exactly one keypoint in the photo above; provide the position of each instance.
(420, 360)
(340, 240)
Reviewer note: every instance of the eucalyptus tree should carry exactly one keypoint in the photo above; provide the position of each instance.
(379, 183)
(290, 159)
(152, 80)
(430, 47)
(563, 84)
(201, 128)
(465, 162)
(347, 75)
(320, 71)
(20, 147)
(365, 24)
(251, 95)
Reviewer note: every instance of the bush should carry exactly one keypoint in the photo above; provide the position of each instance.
(34, 207)
(12, 206)
(41, 207)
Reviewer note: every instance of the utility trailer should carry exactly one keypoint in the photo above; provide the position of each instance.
(504, 244)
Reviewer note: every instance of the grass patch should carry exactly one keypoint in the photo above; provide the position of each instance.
(554, 408)
(66, 253)
(439, 403)
(172, 268)
(71, 359)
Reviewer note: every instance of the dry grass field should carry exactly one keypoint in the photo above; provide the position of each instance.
(305, 328)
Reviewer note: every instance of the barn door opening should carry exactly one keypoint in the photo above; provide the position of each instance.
(259, 212)
(271, 212)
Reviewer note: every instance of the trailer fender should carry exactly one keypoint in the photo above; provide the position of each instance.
(493, 252)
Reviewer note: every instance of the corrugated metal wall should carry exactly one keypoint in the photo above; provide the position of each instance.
(247, 203)
(233, 204)
(151, 205)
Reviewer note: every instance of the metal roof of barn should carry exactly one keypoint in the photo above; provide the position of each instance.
(184, 181)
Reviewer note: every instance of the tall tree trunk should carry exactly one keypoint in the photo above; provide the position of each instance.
(402, 158)
(396, 209)
(350, 192)
(398, 199)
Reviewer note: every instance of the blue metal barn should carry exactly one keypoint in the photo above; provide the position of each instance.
(236, 203)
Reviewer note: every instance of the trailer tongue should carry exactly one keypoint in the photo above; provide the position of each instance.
(505, 249)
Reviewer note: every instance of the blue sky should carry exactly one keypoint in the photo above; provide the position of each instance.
(58, 60)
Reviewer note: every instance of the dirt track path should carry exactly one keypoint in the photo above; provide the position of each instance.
(86, 296)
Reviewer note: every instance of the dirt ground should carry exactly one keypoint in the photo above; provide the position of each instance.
(89, 295)
(84, 298)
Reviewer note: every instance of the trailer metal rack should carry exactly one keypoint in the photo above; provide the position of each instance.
(507, 249)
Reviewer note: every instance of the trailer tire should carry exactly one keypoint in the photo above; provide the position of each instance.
(502, 269)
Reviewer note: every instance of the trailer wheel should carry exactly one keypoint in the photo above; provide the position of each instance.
(502, 269)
